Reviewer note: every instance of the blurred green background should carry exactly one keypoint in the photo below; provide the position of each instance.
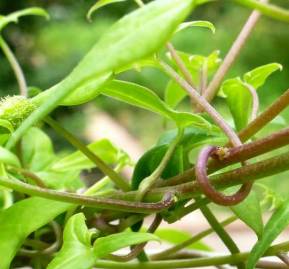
(48, 50)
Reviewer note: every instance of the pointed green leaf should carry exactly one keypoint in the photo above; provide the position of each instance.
(111, 243)
(174, 94)
(257, 77)
(99, 4)
(7, 157)
(239, 101)
(249, 211)
(134, 37)
(20, 220)
(205, 24)
(76, 251)
(78, 161)
(140, 96)
(37, 150)
(276, 224)
(13, 17)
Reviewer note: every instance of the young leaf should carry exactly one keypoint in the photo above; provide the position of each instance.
(205, 24)
(9, 158)
(276, 224)
(174, 94)
(111, 243)
(6, 127)
(134, 37)
(239, 100)
(257, 77)
(249, 211)
(78, 161)
(99, 4)
(37, 150)
(140, 96)
(21, 219)
(76, 251)
(174, 236)
(13, 17)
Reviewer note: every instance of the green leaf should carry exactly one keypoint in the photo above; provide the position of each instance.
(150, 160)
(7, 157)
(111, 243)
(37, 150)
(239, 101)
(76, 251)
(99, 4)
(258, 76)
(276, 224)
(174, 94)
(140, 96)
(205, 24)
(134, 37)
(78, 161)
(249, 211)
(20, 220)
(6, 127)
(13, 17)
(174, 236)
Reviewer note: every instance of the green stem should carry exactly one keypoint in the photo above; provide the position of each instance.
(168, 252)
(115, 177)
(270, 10)
(95, 202)
(150, 181)
(221, 232)
(140, 3)
(15, 66)
(191, 263)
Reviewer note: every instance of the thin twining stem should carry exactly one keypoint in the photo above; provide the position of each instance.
(168, 252)
(203, 103)
(232, 55)
(180, 63)
(136, 250)
(203, 77)
(255, 101)
(265, 117)
(148, 182)
(191, 263)
(28, 174)
(234, 155)
(95, 202)
(15, 66)
(114, 176)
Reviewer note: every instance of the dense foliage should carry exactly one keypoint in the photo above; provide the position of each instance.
(50, 217)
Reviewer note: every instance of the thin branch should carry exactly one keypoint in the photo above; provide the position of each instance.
(234, 155)
(232, 55)
(284, 258)
(265, 117)
(15, 66)
(114, 176)
(94, 202)
(255, 101)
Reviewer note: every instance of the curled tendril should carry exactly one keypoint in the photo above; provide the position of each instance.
(209, 190)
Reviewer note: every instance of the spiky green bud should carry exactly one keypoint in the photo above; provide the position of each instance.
(15, 109)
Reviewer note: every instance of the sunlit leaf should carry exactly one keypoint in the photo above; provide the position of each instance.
(13, 17)
(140, 96)
(99, 4)
(76, 251)
(20, 220)
(276, 224)
(239, 101)
(78, 161)
(111, 243)
(9, 158)
(258, 76)
(205, 24)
